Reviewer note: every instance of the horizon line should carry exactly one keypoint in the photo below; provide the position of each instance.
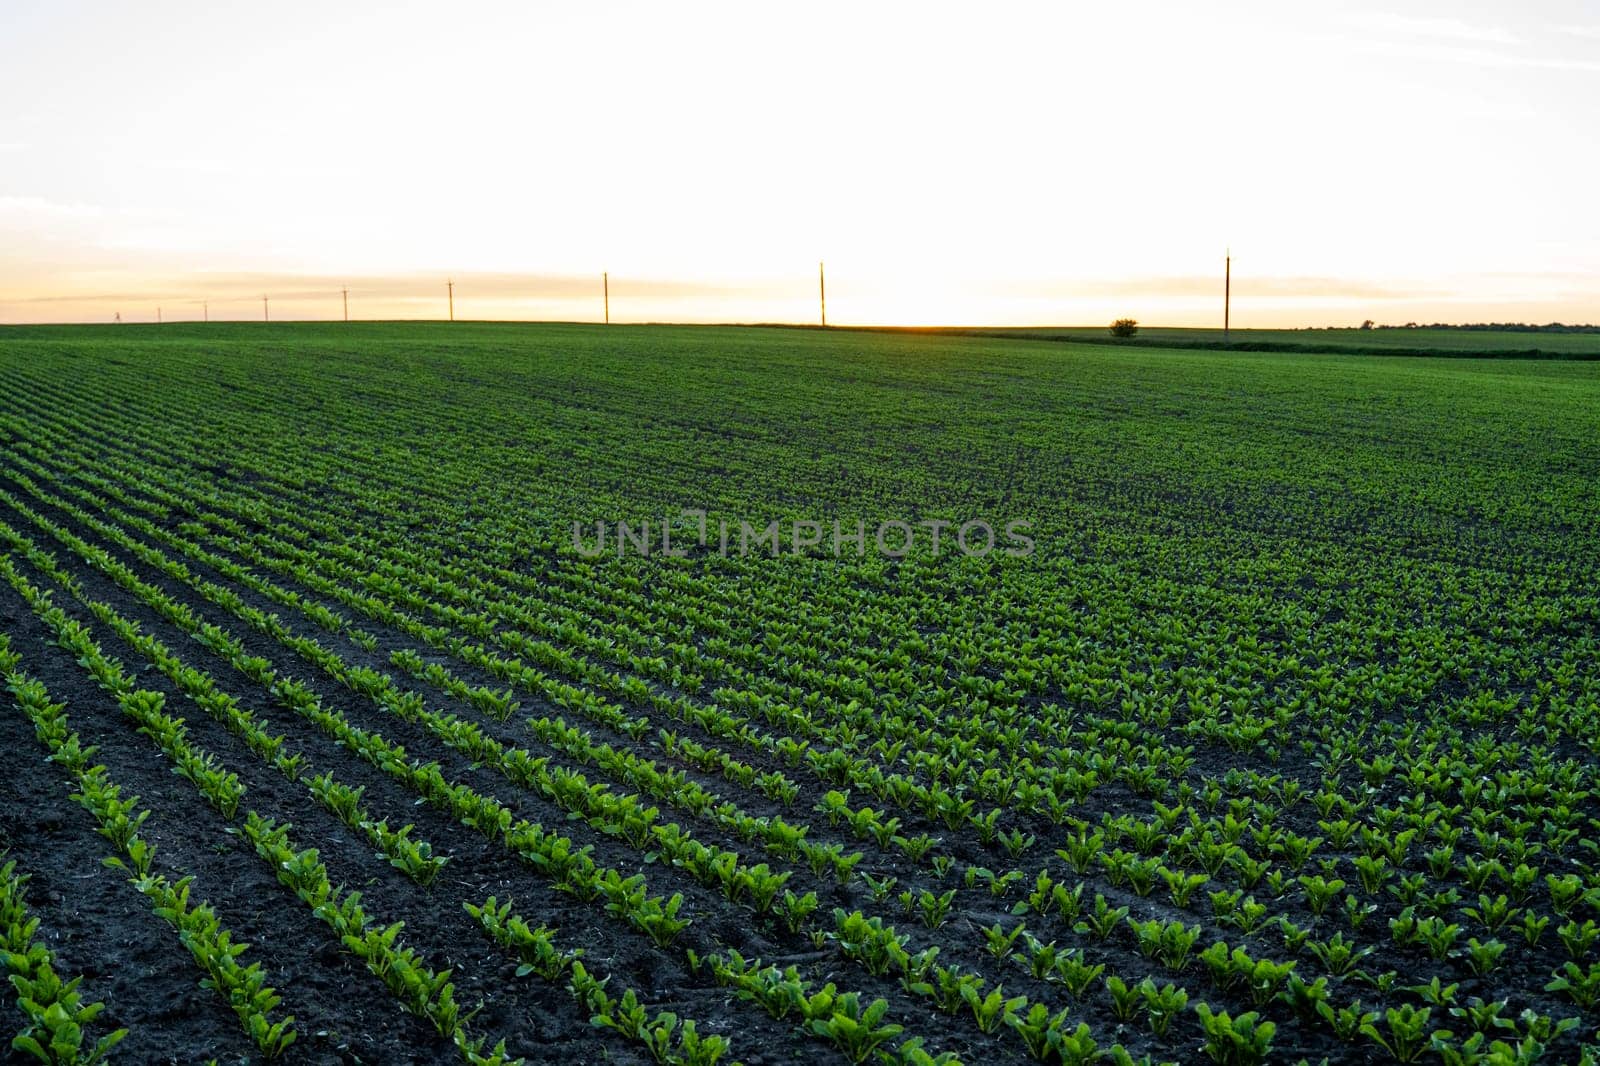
(1528, 326)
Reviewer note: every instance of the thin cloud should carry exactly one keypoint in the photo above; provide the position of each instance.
(1439, 28)
(1477, 57)
(1456, 41)
(90, 297)
(38, 206)
(423, 288)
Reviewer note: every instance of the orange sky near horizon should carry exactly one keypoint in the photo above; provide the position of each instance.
(1018, 163)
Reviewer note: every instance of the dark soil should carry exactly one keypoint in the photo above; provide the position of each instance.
(103, 928)
(541, 1023)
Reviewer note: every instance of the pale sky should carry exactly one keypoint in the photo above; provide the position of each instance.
(993, 163)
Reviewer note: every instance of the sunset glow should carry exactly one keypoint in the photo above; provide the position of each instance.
(1048, 164)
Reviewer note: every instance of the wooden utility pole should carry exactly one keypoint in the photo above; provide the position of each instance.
(822, 293)
(158, 316)
(1227, 293)
(451, 287)
(265, 316)
(605, 281)
(205, 311)
(346, 293)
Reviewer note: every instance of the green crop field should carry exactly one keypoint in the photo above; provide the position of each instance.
(1248, 709)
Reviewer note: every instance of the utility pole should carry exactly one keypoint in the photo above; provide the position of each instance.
(158, 316)
(605, 281)
(119, 318)
(265, 317)
(1227, 293)
(822, 293)
(451, 287)
(205, 311)
(346, 292)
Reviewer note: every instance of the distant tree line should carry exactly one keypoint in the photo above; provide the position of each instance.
(1488, 327)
